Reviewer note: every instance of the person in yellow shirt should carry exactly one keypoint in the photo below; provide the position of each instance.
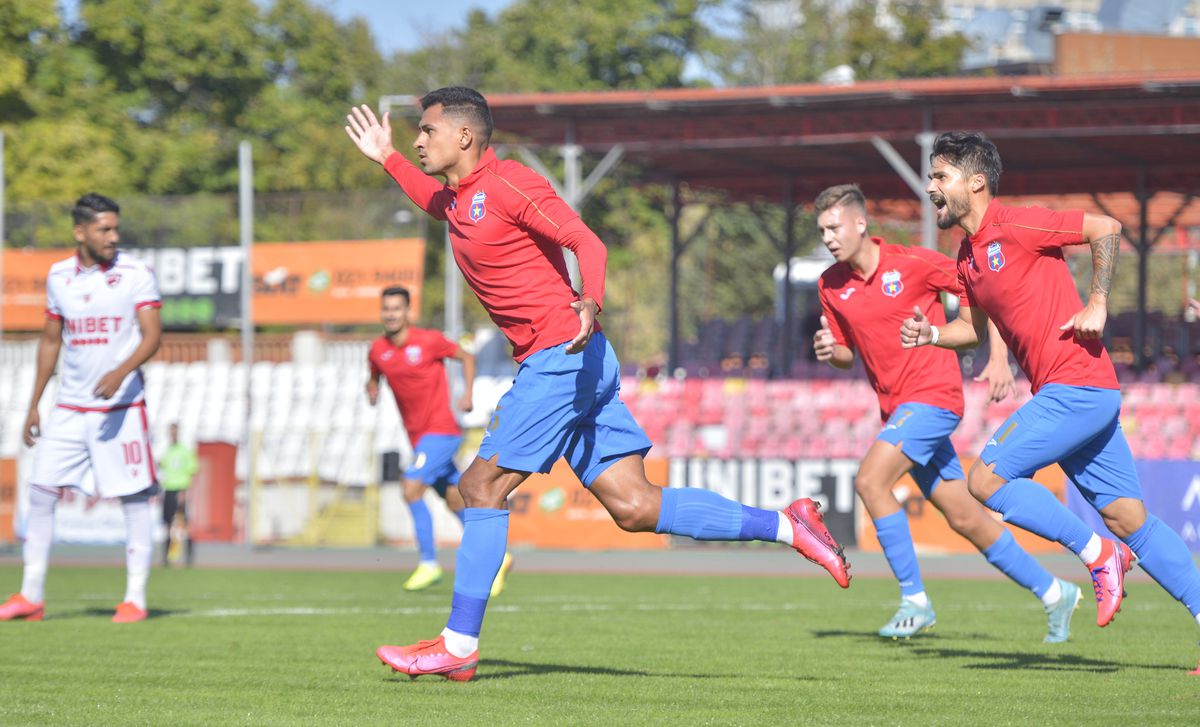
(176, 468)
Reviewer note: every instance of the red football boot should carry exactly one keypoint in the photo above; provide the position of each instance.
(811, 539)
(18, 608)
(128, 612)
(1108, 579)
(429, 657)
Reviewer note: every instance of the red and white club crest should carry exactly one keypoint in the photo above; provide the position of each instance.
(112, 279)
(412, 354)
(892, 284)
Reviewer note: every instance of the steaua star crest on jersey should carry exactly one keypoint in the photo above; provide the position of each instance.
(412, 354)
(478, 210)
(892, 285)
(995, 257)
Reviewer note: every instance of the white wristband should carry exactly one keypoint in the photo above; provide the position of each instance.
(934, 333)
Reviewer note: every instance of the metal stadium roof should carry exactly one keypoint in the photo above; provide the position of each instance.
(1056, 135)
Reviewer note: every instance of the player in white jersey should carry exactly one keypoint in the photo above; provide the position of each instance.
(102, 310)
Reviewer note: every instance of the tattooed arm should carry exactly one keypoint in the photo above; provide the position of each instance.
(1104, 235)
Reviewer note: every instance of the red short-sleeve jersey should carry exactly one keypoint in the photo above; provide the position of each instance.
(1013, 270)
(866, 315)
(417, 377)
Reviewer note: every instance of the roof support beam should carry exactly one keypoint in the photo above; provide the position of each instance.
(897, 162)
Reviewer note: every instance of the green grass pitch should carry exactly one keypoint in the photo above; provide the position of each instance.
(291, 648)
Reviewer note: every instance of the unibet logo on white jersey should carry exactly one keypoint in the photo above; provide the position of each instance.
(98, 308)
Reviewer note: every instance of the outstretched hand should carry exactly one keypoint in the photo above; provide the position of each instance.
(915, 331)
(372, 137)
(587, 310)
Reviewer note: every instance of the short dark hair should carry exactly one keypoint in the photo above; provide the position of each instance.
(971, 152)
(463, 101)
(399, 290)
(841, 194)
(90, 205)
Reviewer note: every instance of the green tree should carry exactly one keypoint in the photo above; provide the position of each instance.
(547, 45)
(795, 41)
(24, 26)
(320, 68)
(901, 41)
(773, 42)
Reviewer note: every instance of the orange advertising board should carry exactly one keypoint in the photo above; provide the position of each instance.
(555, 510)
(332, 282)
(24, 287)
(8, 499)
(295, 283)
(932, 533)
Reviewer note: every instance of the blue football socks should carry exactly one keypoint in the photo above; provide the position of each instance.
(484, 540)
(1032, 507)
(1164, 555)
(896, 540)
(1012, 560)
(705, 515)
(423, 527)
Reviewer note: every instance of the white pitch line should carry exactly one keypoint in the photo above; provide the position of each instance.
(578, 608)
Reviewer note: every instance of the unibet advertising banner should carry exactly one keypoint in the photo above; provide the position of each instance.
(772, 484)
(295, 283)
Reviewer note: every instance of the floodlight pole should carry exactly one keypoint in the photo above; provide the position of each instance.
(246, 230)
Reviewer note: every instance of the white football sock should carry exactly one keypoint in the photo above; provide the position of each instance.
(460, 645)
(1053, 594)
(139, 550)
(39, 534)
(784, 534)
(920, 599)
(1091, 551)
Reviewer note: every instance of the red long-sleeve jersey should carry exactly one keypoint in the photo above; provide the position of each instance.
(507, 230)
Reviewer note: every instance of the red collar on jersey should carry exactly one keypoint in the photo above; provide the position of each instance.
(488, 159)
(988, 218)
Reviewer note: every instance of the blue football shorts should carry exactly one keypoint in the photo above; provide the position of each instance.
(565, 405)
(433, 460)
(1078, 427)
(922, 432)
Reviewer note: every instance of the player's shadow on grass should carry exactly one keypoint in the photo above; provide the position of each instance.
(867, 637)
(95, 612)
(924, 646)
(505, 669)
(1011, 660)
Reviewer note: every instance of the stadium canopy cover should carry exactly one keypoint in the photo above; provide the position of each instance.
(1057, 135)
(1137, 134)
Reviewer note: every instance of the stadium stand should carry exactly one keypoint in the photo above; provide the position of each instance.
(310, 416)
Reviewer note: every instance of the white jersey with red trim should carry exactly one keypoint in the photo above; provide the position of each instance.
(98, 308)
